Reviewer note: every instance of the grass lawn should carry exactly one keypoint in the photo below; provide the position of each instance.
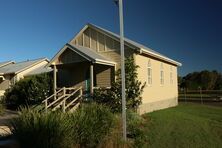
(185, 126)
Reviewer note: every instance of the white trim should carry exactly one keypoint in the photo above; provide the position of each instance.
(83, 39)
(125, 43)
(90, 38)
(99, 61)
(160, 57)
(79, 33)
(149, 66)
(97, 42)
(161, 74)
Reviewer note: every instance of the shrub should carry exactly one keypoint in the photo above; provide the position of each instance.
(134, 89)
(135, 128)
(86, 127)
(29, 91)
(42, 130)
(91, 124)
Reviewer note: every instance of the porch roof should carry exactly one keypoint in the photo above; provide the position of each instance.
(86, 53)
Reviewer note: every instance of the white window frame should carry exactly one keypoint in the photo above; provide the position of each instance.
(171, 75)
(161, 74)
(149, 75)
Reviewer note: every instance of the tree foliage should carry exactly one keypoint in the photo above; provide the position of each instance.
(29, 91)
(207, 80)
(134, 89)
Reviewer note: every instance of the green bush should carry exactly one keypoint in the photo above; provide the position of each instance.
(29, 91)
(91, 124)
(134, 89)
(86, 127)
(42, 130)
(135, 128)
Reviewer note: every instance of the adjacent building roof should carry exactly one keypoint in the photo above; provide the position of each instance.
(40, 70)
(6, 63)
(137, 46)
(86, 53)
(21, 66)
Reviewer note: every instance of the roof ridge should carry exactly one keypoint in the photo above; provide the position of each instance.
(142, 47)
(38, 59)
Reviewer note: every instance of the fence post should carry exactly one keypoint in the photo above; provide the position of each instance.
(185, 95)
(201, 96)
(64, 91)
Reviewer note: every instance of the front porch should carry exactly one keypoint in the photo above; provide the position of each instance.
(77, 66)
(76, 72)
(83, 74)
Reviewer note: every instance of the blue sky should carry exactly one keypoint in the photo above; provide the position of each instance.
(189, 31)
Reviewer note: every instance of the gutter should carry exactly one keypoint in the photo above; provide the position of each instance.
(99, 61)
(159, 57)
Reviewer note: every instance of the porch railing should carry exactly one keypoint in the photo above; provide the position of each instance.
(60, 98)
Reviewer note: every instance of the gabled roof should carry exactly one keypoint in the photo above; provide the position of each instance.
(2, 64)
(86, 53)
(40, 70)
(135, 45)
(19, 67)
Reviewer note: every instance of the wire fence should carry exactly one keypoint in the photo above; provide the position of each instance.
(200, 95)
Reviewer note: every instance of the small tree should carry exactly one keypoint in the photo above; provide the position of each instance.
(29, 91)
(134, 89)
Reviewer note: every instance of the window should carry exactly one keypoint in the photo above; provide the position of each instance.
(149, 73)
(161, 74)
(171, 75)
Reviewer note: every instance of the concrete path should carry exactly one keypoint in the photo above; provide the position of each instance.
(5, 121)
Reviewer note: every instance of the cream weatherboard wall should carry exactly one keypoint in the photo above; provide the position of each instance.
(23, 73)
(156, 95)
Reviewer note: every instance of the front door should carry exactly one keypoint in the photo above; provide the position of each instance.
(87, 81)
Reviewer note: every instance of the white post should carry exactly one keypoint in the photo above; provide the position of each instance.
(54, 80)
(91, 79)
(122, 68)
(201, 95)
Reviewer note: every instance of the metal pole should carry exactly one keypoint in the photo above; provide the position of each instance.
(54, 80)
(122, 69)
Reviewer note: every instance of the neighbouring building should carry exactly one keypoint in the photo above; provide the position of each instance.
(90, 59)
(11, 72)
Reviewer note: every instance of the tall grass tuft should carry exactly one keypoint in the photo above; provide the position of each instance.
(88, 126)
(91, 124)
(42, 130)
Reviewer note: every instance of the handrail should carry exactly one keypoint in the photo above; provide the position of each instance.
(74, 100)
(57, 100)
(53, 95)
(63, 98)
(69, 95)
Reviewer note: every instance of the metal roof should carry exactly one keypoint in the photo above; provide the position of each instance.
(18, 67)
(144, 49)
(90, 54)
(40, 70)
(6, 63)
(86, 53)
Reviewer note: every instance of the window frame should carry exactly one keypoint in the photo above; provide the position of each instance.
(161, 74)
(149, 73)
